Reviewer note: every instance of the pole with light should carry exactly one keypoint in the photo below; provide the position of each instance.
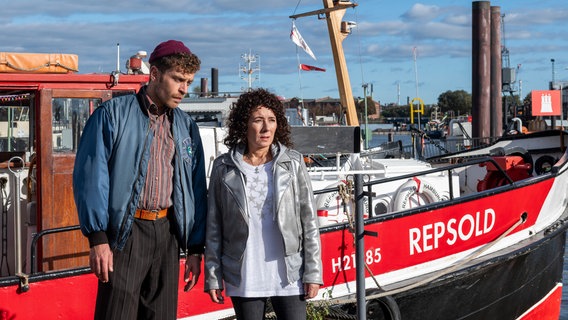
(552, 84)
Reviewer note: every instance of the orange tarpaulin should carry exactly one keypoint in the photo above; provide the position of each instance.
(38, 62)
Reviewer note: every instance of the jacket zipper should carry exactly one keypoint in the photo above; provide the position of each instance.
(179, 163)
(128, 209)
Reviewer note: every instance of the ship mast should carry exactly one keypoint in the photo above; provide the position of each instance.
(338, 31)
(251, 65)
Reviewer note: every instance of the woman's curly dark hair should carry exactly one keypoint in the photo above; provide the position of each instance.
(242, 110)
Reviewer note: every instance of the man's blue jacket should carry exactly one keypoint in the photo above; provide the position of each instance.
(110, 170)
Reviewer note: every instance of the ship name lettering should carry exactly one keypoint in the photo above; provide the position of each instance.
(430, 236)
(347, 262)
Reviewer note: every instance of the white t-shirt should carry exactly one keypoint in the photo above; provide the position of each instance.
(264, 270)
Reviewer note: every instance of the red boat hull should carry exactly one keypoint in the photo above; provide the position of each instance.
(73, 297)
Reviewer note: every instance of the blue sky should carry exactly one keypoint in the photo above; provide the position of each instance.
(378, 52)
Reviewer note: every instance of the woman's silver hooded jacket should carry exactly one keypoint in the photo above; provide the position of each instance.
(227, 218)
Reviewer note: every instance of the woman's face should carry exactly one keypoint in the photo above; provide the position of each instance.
(261, 127)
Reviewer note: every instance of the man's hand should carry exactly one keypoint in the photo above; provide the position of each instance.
(100, 260)
(192, 271)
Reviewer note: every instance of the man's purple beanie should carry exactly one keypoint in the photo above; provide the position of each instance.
(167, 48)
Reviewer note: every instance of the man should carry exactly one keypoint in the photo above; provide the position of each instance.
(140, 190)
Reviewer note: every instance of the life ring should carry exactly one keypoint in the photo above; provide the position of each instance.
(330, 209)
(413, 193)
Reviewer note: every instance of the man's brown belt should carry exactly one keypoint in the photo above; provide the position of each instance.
(150, 214)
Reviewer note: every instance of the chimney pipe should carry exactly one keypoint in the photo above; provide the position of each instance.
(203, 87)
(497, 121)
(481, 69)
(215, 82)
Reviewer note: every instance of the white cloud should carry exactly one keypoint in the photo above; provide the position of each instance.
(221, 30)
(422, 12)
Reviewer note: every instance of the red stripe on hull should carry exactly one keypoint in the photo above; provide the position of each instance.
(65, 298)
(547, 308)
(74, 298)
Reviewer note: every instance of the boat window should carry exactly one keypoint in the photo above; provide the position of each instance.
(15, 122)
(69, 118)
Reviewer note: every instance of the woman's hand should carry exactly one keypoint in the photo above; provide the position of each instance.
(217, 296)
(311, 290)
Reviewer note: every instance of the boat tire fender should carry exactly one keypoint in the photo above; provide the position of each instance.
(383, 308)
(544, 164)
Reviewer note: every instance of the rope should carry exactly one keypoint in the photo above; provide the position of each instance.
(423, 134)
(298, 65)
(45, 65)
(345, 191)
(359, 47)
(441, 273)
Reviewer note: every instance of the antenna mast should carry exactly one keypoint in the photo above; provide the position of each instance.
(247, 70)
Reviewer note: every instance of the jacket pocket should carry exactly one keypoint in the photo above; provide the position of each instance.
(231, 270)
(294, 263)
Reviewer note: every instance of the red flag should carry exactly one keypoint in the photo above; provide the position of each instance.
(310, 68)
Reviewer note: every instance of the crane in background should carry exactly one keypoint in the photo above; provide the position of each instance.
(512, 105)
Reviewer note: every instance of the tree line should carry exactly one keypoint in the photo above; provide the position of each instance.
(459, 102)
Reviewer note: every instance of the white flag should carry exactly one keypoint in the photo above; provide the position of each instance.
(299, 41)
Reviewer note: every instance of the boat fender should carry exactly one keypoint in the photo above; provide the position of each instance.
(383, 307)
(381, 204)
(415, 192)
(544, 164)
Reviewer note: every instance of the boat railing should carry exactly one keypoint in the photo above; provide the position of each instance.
(23, 279)
(349, 175)
(451, 144)
(37, 236)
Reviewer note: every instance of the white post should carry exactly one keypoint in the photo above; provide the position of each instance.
(17, 213)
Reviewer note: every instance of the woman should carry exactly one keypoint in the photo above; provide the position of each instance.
(262, 235)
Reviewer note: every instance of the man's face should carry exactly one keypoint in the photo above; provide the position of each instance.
(170, 86)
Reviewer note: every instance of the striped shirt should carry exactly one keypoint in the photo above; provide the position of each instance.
(157, 191)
